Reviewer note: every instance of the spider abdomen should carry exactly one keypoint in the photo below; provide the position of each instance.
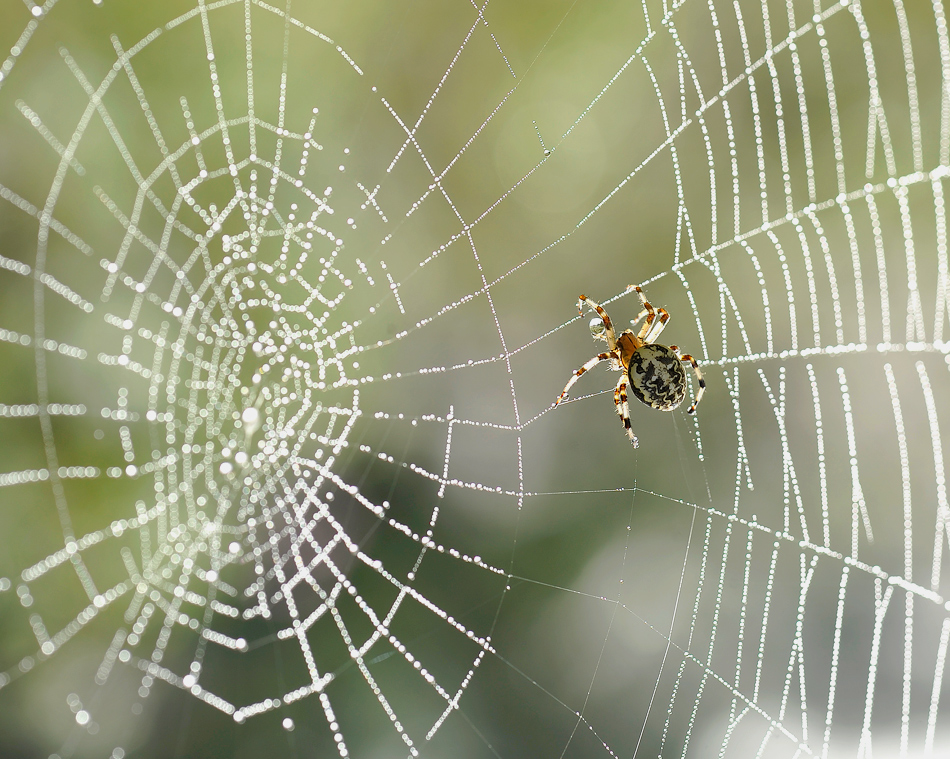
(657, 377)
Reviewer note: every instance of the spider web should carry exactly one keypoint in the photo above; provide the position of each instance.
(287, 298)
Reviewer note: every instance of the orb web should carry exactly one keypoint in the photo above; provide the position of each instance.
(287, 303)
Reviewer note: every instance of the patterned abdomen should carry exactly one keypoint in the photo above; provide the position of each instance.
(657, 377)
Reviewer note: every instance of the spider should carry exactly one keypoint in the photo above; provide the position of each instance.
(653, 371)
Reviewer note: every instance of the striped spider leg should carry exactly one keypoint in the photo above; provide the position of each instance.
(623, 407)
(686, 358)
(608, 355)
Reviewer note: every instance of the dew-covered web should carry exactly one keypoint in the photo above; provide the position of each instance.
(287, 297)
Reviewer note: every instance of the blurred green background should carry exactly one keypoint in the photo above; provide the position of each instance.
(771, 173)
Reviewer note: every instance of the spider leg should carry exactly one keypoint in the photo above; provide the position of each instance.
(586, 367)
(634, 322)
(608, 325)
(685, 357)
(651, 314)
(658, 327)
(623, 408)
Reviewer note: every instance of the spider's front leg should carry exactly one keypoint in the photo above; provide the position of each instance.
(623, 408)
(658, 327)
(686, 358)
(648, 311)
(585, 368)
(608, 333)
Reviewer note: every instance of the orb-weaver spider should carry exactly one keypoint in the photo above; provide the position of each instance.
(653, 372)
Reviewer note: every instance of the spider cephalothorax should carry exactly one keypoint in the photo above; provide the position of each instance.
(653, 372)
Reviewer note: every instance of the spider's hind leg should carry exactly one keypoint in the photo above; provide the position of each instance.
(686, 358)
(623, 408)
